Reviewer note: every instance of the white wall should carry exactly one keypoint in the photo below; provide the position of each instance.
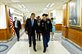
(2, 17)
(58, 14)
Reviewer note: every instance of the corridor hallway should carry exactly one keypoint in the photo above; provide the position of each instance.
(22, 47)
(67, 15)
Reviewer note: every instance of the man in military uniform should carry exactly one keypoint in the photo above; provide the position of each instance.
(46, 27)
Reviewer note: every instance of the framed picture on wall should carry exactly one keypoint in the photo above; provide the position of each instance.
(75, 13)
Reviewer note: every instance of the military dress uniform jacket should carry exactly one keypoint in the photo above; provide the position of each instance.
(46, 26)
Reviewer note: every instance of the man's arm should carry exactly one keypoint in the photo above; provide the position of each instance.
(41, 26)
(50, 26)
(26, 26)
(36, 25)
(20, 24)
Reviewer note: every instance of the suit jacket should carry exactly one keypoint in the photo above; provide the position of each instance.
(18, 24)
(29, 28)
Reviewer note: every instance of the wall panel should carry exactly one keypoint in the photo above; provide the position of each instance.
(58, 27)
(73, 34)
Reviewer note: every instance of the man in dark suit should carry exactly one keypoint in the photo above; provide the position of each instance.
(30, 28)
(17, 27)
(46, 27)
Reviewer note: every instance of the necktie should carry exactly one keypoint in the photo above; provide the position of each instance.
(32, 22)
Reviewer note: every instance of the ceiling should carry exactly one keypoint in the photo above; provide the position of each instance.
(37, 6)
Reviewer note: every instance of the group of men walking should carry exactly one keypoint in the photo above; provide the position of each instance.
(36, 26)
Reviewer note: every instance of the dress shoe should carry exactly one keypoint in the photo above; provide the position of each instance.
(35, 50)
(44, 50)
(29, 45)
(17, 39)
(47, 45)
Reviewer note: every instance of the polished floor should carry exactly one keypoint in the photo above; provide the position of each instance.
(21, 47)
(58, 46)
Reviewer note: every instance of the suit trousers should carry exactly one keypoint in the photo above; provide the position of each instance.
(38, 36)
(32, 39)
(17, 33)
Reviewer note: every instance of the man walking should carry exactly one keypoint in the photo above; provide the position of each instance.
(46, 27)
(17, 27)
(30, 28)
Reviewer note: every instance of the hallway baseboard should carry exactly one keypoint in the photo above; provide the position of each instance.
(72, 47)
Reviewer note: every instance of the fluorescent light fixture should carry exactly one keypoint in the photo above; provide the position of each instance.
(48, 5)
(20, 6)
(24, 9)
(45, 8)
(23, 6)
(52, 5)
